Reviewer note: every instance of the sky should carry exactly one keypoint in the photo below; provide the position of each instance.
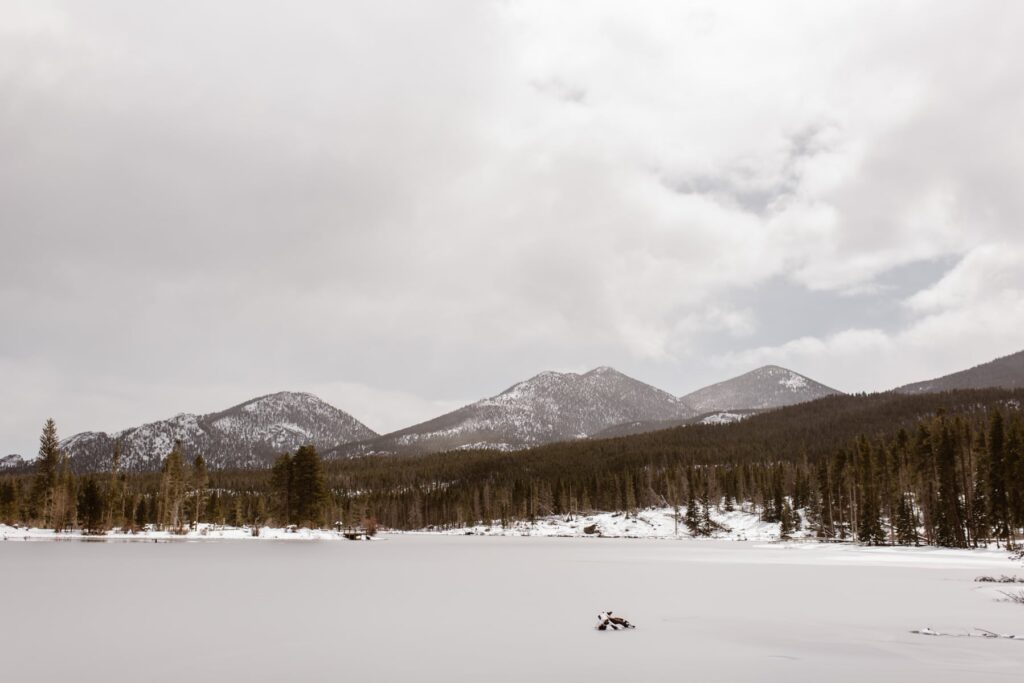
(403, 207)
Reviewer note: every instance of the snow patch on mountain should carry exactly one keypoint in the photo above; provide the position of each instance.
(794, 381)
(11, 461)
(768, 387)
(551, 406)
(249, 434)
(722, 418)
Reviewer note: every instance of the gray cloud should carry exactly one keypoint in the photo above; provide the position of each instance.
(404, 207)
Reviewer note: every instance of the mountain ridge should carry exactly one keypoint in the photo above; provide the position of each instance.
(1005, 372)
(248, 434)
(550, 406)
(547, 407)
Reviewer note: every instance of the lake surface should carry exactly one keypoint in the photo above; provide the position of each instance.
(442, 608)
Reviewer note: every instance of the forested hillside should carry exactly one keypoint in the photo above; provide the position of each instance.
(1006, 372)
(936, 468)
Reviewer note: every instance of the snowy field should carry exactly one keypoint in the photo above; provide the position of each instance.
(457, 608)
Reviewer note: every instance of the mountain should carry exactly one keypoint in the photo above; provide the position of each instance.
(552, 406)
(11, 461)
(1005, 373)
(249, 434)
(761, 389)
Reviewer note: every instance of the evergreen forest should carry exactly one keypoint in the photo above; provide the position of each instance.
(942, 469)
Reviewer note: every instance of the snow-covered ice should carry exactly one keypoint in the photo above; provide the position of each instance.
(419, 607)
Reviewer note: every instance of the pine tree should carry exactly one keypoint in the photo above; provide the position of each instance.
(214, 511)
(141, 519)
(172, 490)
(629, 493)
(236, 516)
(9, 500)
(707, 525)
(949, 527)
(281, 478)
(91, 507)
(978, 507)
(926, 474)
(826, 520)
(692, 517)
(1015, 479)
(309, 486)
(786, 520)
(64, 499)
(869, 523)
(906, 522)
(998, 499)
(45, 485)
(199, 480)
(801, 486)
(115, 490)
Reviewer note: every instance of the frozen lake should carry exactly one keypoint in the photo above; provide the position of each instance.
(443, 608)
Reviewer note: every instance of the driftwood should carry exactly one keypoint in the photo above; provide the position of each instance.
(605, 622)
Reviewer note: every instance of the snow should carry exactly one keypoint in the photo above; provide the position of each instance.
(657, 523)
(770, 386)
(13, 460)
(793, 381)
(722, 418)
(444, 608)
(249, 433)
(550, 406)
(650, 523)
(209, 532)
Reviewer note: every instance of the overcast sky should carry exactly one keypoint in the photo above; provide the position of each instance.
(403, 207)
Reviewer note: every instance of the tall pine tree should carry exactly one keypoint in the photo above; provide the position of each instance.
(949, 520)
(998, 498)
(44, 487)
(309, 487)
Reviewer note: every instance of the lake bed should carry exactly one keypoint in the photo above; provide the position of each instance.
(432, 607)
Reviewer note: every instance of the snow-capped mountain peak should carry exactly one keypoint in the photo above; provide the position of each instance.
(250, 433)
(550, 406)
(770, 386)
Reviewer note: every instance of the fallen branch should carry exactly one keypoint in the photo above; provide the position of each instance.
(982, 633)
(1017, 597)
(1002, 579)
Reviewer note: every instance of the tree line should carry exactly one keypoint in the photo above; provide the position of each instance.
(955, 481)
(941, 469)
(176, 499)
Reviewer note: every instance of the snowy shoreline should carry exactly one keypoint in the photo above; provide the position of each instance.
(651, 524)
(656, 523)
(205, 532)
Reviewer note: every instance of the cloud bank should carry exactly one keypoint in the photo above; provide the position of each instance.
(408, 207)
